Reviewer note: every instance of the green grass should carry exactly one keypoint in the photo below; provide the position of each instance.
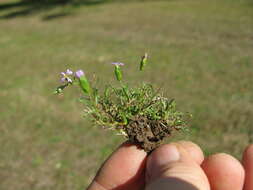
(201, 55)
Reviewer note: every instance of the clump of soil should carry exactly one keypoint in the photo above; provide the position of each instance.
(149, 134)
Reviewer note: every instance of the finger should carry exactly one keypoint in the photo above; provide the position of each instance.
(193, 149)
(248, 166)
(195, 152)
(123, 170)
(173, 166)
(224, 172)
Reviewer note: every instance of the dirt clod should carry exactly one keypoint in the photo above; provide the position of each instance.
(147, 133)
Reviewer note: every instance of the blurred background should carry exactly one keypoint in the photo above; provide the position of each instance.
(201, 54)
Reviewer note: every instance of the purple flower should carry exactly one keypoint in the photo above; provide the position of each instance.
(69, 80)
(69, 72)
(65, 77)
(63, 74)
(79, 73)
(118, 64)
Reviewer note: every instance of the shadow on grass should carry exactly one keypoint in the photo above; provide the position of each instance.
(28, 7)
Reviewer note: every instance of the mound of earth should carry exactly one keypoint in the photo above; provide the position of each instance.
(149, 134)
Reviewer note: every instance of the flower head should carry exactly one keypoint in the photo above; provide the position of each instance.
(118, 64)
(79, 73)
(117, 70)
(65, 76)
(83, 82)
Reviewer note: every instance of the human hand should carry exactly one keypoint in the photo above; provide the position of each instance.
(175, 166)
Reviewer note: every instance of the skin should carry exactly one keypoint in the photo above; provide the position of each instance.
(248, 165)
(176, 166)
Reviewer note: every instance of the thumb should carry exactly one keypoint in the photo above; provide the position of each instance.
(172, 167)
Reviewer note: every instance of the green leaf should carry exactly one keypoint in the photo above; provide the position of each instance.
(118, 73)
(95, 94)
(84, 84)
(144, 61)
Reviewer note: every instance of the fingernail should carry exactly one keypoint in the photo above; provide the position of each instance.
(161, 157)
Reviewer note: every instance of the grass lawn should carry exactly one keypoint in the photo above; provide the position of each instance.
(201, 54)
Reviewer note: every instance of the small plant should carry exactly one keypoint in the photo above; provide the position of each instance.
(141, 114)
